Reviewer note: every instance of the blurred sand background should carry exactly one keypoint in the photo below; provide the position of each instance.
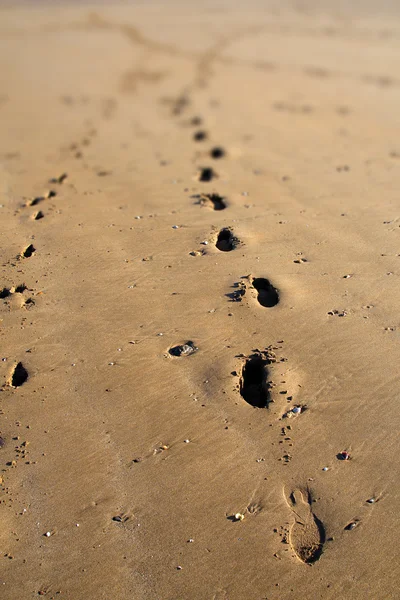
(123, 467)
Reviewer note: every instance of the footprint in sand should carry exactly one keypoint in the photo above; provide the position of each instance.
(217, 152)
(200, 136)
(254, 385)
(226, 240)
(206, 174)
(307, 534)
(18, 376)
(29, 250)
(213, 201)
(268, 295)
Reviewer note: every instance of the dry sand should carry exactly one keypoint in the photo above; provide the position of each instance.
(123, 466)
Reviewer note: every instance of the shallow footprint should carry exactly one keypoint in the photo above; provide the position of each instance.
(307, 534)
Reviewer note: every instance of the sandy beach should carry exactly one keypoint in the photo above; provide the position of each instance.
(199, 300)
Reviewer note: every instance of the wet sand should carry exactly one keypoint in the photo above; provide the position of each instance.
(199, 301)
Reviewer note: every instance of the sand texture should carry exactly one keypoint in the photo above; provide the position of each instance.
(199, 301)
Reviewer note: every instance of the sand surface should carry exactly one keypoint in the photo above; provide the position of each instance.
(132, 472)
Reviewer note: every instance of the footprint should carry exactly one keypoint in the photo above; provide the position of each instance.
(226, 241)
(214, 201)
(206, 174)
(268, 295)
(254, 385)
(217, 152)
(29, 250)
(307, 534)
(60, 179)
(35, 201)
(18, 376)
(5, 293)
(199, 136)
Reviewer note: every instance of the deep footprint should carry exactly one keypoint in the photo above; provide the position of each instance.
(268, 296)
(226, 241)
(19, 376)
(27, 253)
(254, 386)
(307, 534)
(206, 174)
(217, 152)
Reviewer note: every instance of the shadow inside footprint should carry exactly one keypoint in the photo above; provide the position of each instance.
(206, 174)
(307, 535)
(217, 152)
(267, 295)
(254, 387)
(29, 250)
(199, 136)
(226, 241)
(214, 201)
(19, 376)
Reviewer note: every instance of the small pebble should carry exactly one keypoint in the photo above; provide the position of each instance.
(48, 533)
(186, 441)
(175, 226)
(179, 568)
(238, 517)
(371, 500)
(325, 469)
(344, 455)
(190, 540)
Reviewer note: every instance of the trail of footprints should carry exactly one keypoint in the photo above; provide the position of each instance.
(255, 385)
(307, 533)
(19, 296)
